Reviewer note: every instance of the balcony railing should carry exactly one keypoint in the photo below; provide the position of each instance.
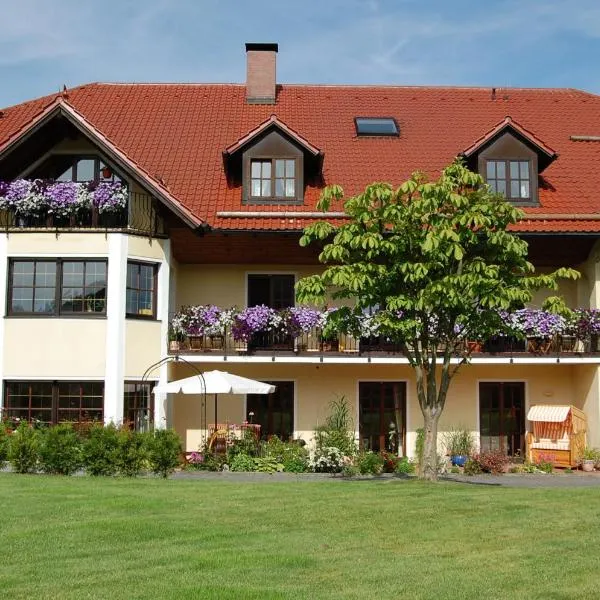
(137, 214)
(301, 330)
(313, 342)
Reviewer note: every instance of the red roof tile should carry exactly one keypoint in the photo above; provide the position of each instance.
(180, 132)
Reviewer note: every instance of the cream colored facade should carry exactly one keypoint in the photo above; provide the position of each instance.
(569, 381)
(118, 350)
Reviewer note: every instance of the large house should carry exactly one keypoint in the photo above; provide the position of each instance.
(199, 195)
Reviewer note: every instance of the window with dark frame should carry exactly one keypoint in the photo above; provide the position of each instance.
(273, 412)
(83, 169)
(138, 405)
(511, 178)
(54, 402)
(141, 290)
(273, 179)
(382, 415)
(42, 287)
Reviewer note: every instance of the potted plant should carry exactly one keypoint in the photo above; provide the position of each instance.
(459, 445)
(588, 459)
(176, 339)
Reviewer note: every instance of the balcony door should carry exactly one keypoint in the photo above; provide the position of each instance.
(274, 291)
(273, 412)
(382, 415)
(502, 417)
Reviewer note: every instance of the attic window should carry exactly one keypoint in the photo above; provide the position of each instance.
(380, 126)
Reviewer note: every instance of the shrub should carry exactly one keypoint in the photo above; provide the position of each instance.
(132, 453)
(23, 451)
(329, 460)
(494, 462)
(338, 429)
(405, 466)
(164, 451)
(248, 444)
(370, 463)
(60, 450)
(472, 467)
(242, 462)
(4, 443)
(390, 461)
(544, 467)
(292, 455)
(100, 450)
(350, 471)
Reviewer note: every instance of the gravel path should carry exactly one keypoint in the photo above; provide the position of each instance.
(577, 479)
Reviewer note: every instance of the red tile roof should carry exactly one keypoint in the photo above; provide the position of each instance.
(177, 134)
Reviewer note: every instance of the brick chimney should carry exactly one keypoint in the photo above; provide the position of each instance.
(261, 78)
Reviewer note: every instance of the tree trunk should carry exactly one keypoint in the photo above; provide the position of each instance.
(431, 416)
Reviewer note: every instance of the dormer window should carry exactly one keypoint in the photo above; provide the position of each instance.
(272, 164)
(510, 158)
(273, 179)
(511, 178)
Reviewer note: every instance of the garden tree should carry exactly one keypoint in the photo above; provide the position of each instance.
(438, 262)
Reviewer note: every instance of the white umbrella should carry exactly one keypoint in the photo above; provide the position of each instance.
(215, 382)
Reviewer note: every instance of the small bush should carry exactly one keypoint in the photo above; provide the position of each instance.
(100, 450)
(60, 450)
(4, 443)
(370, 463)
(454, 470)
(472, 467)
(390, 461)
(329, 460)
(544, 466)
(164, 451)
(293, 455)
(494, 462)
(242, 462)
(405, 466)
(248, 444)
(23, 451)
(350, 471)
(132, 456)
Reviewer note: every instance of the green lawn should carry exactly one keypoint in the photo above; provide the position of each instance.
(110, 538)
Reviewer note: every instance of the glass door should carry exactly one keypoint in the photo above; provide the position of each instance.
(502, 417)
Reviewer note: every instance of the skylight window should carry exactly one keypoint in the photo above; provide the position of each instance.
(376, 126)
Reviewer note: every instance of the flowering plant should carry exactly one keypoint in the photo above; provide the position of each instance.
(531, 322)
(30, 197)
(255, 319)
(328, 460)
(302, 319)
(584, 323)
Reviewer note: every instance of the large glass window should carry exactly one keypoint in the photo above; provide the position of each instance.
(511, 178)
(275, 291)
(80, 401)
(137, 405)
(54, 402)
(28, 401)
(273, 412)
(382, 415)
(57, 287)
(141, 290)
(273, 179)
(85, 168)
(83, 286)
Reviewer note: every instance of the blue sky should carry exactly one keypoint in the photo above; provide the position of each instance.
(539, 43)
